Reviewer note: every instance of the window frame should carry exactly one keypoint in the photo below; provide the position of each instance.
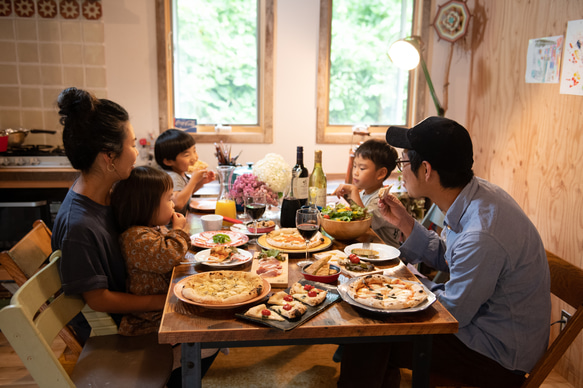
(342, 134)
(261, 133)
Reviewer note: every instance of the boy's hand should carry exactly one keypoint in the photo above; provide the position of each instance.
(344, 189)
(178, 221)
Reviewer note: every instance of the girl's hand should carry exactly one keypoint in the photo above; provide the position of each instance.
(178, 221)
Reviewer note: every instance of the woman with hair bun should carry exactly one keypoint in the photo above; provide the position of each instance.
(99, 142)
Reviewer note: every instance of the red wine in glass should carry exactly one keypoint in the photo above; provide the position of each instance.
(307, 230)
(255, 210)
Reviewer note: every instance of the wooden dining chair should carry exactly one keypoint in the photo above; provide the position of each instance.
(112, 360)
(566, 285)
(25, 259)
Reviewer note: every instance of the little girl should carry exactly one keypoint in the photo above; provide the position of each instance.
(142, 205)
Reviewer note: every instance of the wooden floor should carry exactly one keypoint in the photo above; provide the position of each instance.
(294, 366)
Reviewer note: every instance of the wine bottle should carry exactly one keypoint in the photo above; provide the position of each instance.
(290, 204)
(301, 177)
(317, 183)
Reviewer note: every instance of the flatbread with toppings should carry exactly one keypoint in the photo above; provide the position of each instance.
(308, 294)
(290, 311)
(384, 191)
(290, 238)
(386, 293)
(222, 287)
(262, 312)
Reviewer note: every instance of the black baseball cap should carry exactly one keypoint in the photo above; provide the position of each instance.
(444, 143)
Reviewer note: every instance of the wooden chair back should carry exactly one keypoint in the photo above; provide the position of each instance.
(39, 310)
(25, 258)
(567, 285)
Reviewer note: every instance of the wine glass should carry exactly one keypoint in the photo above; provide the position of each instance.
(255, 205)
(308, 223)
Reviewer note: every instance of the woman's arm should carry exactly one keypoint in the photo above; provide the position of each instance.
(104, 300)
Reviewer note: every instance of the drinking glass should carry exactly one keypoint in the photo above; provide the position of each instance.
(255, 207)
(308, 223)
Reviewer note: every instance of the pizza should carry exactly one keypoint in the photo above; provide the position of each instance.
(384, 191)
(290, 311)
(199, 165)
(386, 293)
(262, 312)
(290, 238)
(222, 287)
(308, 294)
(281, 298)
(222, 253)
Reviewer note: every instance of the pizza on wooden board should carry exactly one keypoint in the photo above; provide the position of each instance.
(223, 287)
(386, 293)
(290, 238)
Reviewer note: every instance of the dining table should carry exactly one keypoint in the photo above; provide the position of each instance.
(196, 327)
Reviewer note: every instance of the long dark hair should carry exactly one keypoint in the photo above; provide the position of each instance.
(136, 200)
(90, 126)
(169, 144)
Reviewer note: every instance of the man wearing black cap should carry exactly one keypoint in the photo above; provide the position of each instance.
(499, 287)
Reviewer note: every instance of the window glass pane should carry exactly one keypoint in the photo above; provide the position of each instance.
(365, 87)
(215, 61)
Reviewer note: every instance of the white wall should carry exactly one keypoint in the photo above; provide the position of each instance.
(130, 41)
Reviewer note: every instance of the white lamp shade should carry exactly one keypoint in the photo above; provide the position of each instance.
(404, 55)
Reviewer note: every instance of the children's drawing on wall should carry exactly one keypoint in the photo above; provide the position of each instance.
(571, 82)
(543, 60)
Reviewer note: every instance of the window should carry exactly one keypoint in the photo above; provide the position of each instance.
(216, 67)
(357, 82)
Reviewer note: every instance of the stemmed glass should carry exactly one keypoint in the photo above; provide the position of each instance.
(255, 205)
(308, 223)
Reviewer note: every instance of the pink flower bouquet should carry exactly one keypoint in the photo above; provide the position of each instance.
(248, 184)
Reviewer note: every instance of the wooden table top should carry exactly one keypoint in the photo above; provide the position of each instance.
(186, 323)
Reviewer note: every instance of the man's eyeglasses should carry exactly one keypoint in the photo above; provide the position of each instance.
(401, 164)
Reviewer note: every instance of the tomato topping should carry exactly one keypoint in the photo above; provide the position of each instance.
(288, 298)
(354, 258)
(287, 306)
(265, 312)
(312, 293)
(308, 287)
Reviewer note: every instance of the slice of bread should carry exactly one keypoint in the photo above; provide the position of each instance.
(316, 265)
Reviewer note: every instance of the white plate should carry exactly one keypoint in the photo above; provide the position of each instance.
(242, 228)
(242, 258)
(343, 291)
(205, 239)
(386, 252)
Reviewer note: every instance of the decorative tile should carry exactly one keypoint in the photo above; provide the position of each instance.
(47, 9)
(49, 30)
(25, 29)
(93, 32)
(71, 31)
(5, 7)
(92, 10)
(24, 8)
(69, 9)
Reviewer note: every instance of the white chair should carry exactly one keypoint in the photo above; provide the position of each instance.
(37, 313)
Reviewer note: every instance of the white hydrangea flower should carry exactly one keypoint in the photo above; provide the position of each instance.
(274, 171)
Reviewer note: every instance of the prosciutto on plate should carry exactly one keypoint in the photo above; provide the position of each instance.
(269, 267)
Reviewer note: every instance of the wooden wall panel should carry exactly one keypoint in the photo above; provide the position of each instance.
(528, 138)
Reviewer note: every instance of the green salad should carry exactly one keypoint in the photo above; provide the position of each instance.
(343, 212)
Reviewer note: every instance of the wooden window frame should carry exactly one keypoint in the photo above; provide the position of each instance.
(261, 133)
(342, 134)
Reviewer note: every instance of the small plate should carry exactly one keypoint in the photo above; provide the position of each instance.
(205, 239)
(242, 258)
(203, 204)
(386, 252)
(242, 228)
(343, 291)
(178, 292)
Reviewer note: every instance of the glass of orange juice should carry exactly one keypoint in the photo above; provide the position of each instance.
(225, 203)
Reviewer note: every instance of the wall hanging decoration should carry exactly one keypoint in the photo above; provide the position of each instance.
(50, 9)
(571, 82)
(543, 60)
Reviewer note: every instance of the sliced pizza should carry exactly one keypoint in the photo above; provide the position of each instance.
(387, 293)
(280, 298)
(290, 238)
(262, 312)
(290, 310)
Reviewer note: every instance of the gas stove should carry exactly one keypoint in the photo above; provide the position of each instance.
(34, 156)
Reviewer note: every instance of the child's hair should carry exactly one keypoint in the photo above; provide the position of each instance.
(91, 125)
(136, 200)
(169, 144)
(381, 154)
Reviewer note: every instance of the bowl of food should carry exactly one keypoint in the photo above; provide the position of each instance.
(328, 273)
(344, 222)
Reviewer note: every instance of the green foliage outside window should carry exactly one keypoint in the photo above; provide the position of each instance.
(365, 87)
(215, 61)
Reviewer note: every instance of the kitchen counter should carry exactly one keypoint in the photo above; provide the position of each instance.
(34, 177)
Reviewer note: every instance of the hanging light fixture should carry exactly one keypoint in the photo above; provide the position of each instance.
(406, 54)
